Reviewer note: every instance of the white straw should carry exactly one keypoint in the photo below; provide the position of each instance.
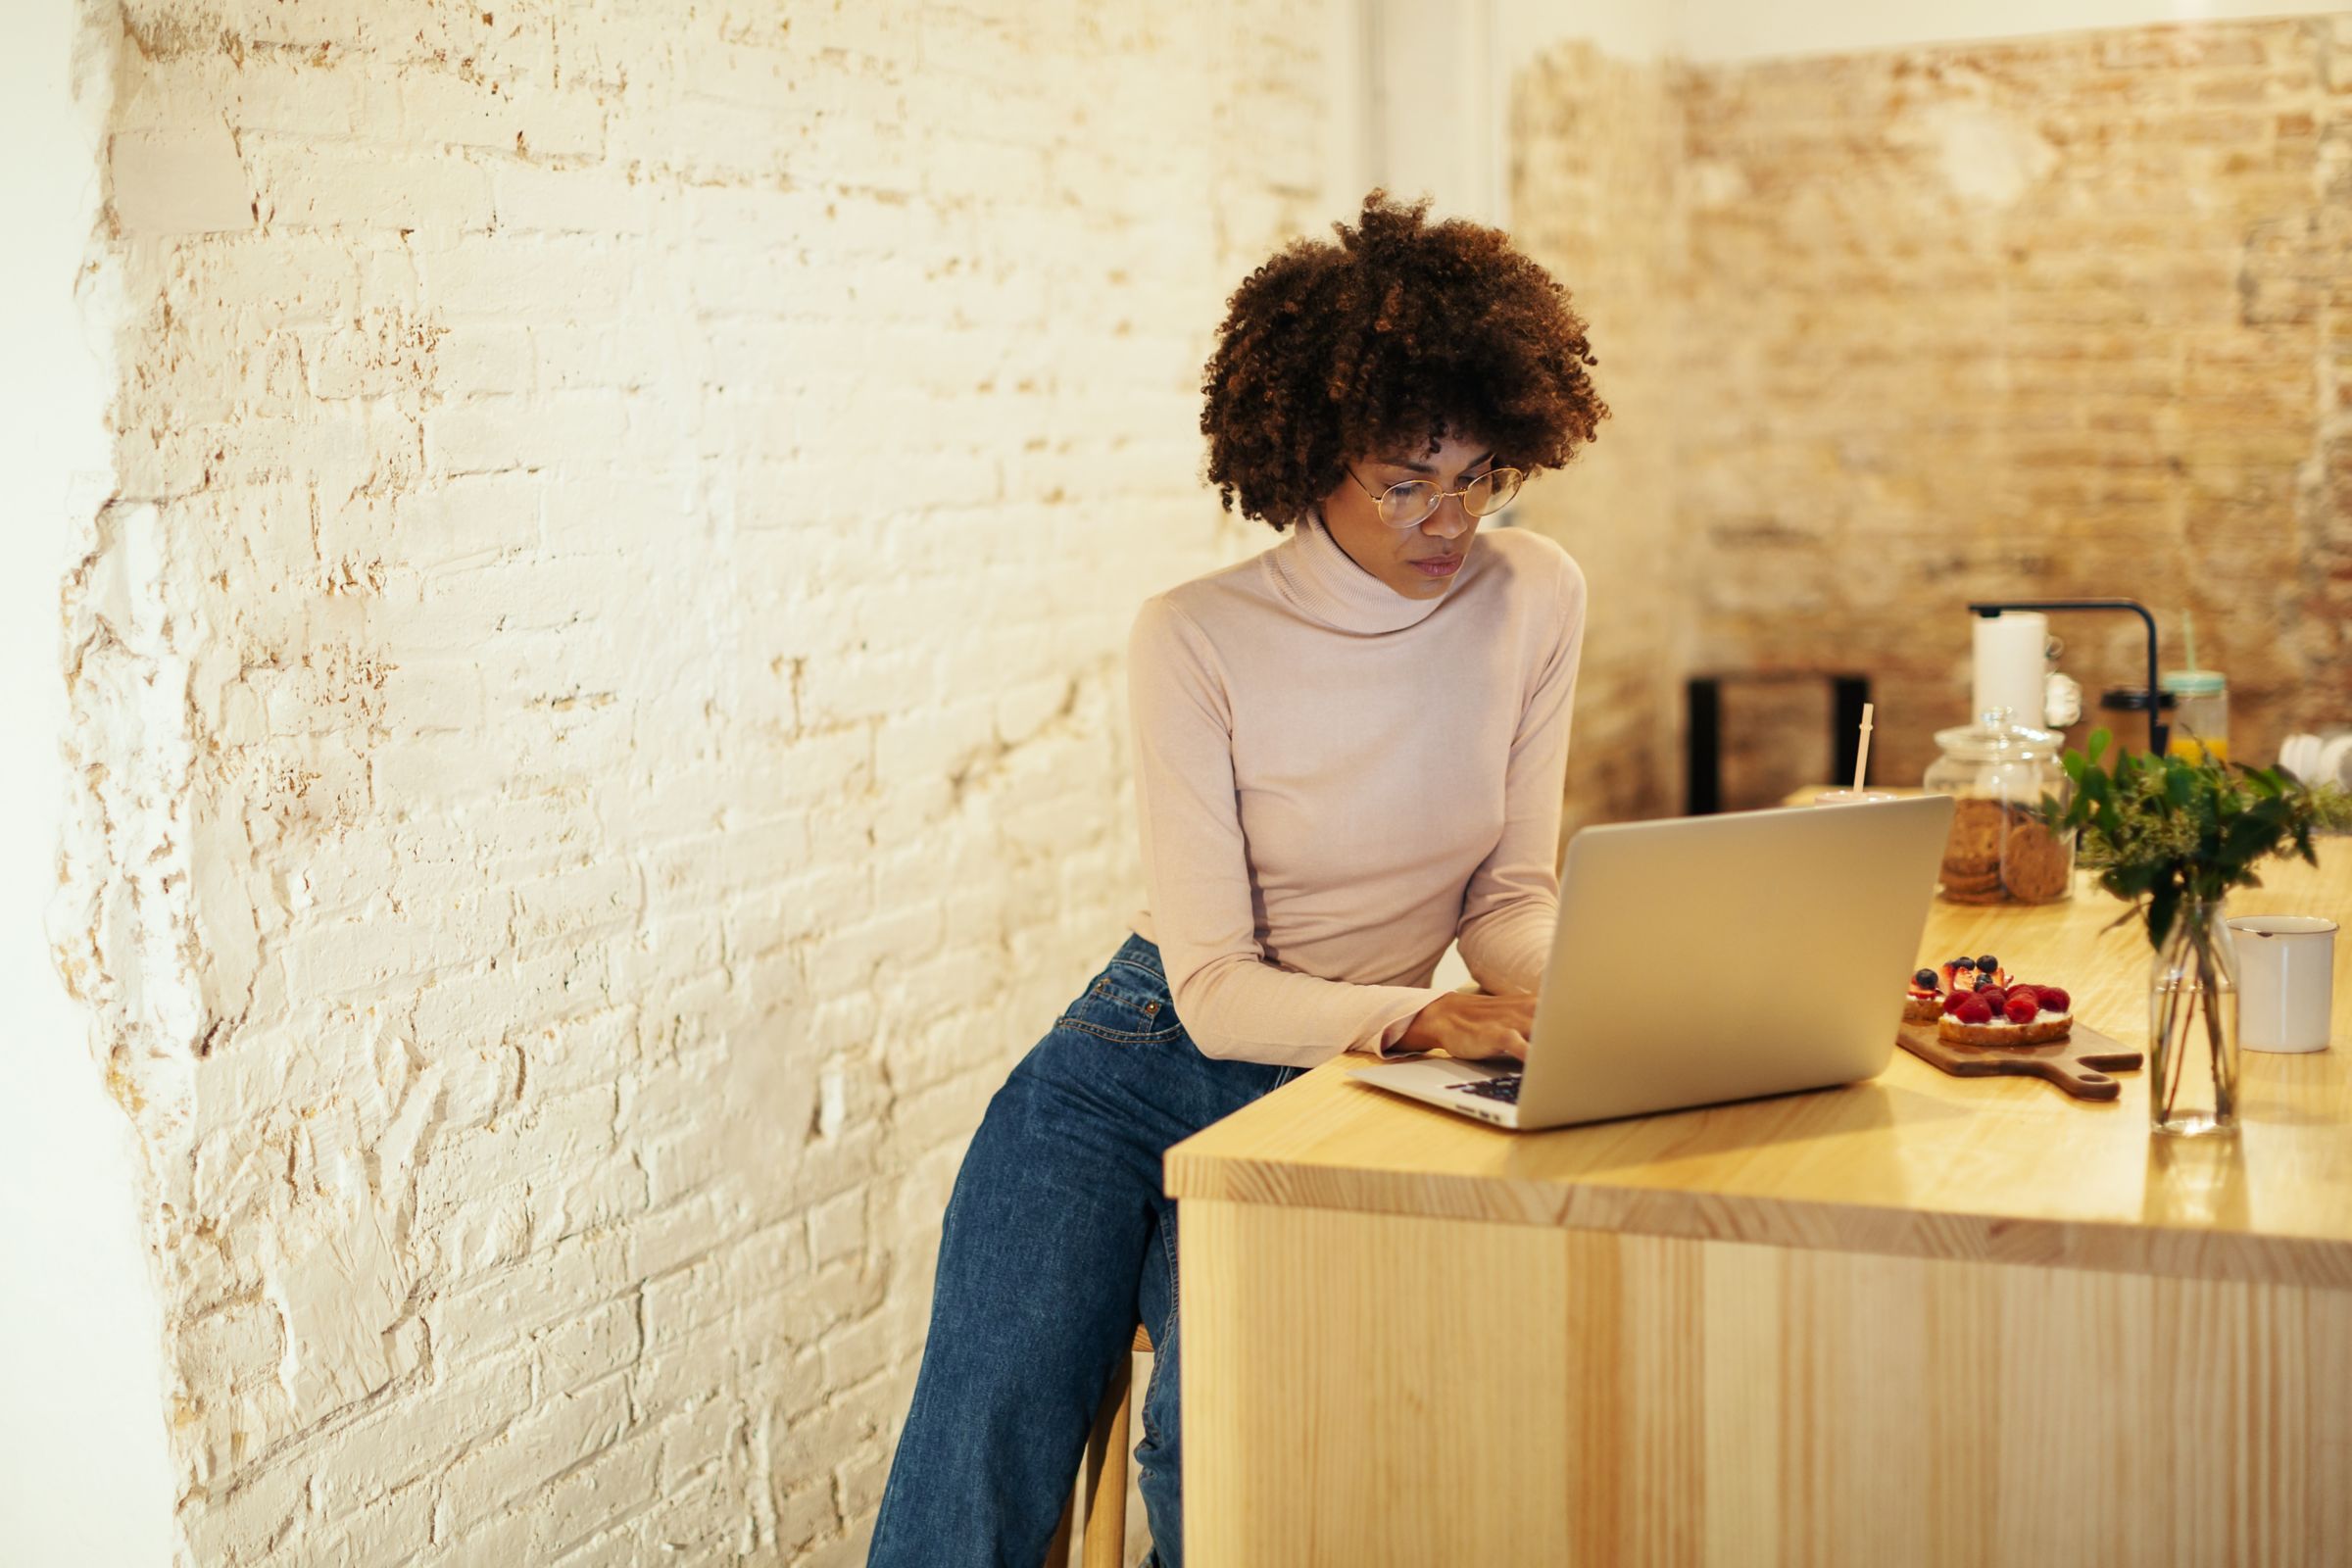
(1862, 756)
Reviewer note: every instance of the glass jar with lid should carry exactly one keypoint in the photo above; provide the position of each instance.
(2000, 850)
(2201, 718)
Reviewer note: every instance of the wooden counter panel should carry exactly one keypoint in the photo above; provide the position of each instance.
(1308, 1380)
(1403, 1389)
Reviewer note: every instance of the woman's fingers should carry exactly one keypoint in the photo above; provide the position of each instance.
(1503, 1025)
(1522, 1024)
(1475, 1026)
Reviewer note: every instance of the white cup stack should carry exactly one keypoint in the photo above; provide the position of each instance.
(2318, 759)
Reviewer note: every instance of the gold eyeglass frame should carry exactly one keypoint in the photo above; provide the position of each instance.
(1379, 501)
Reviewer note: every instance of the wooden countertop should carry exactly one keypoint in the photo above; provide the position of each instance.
(1914, 1162)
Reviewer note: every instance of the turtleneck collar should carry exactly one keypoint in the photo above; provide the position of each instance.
(1319, 578)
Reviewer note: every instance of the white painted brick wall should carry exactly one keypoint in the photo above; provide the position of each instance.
(598, 708)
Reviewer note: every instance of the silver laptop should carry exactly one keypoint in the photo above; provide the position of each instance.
(1712, 959)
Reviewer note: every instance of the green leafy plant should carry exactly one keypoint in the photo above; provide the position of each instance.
(2171, 836)
(2165, 831)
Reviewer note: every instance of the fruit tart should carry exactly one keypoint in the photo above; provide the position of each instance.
(1998, 1012)
(1974, 1002)
(1930, 989)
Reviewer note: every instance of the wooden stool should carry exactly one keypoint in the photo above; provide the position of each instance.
(1103, 1478)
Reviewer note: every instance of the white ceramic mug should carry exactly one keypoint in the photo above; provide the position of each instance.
(2286, 972)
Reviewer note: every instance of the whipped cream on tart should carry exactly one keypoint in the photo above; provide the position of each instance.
(1973, 1002)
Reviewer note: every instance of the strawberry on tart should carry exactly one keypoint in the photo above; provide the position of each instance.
(1974, 1002)
(1930, 989)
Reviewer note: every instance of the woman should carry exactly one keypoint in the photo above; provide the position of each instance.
(1349, 752)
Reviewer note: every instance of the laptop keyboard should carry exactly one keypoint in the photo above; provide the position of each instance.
(1504, 1088)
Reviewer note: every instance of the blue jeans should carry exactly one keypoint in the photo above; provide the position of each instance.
(1058, 1240)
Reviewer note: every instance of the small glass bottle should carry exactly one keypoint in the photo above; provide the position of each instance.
(2000, 850)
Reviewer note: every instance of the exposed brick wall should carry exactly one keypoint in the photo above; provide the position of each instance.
(1596, 145)
(2052, 316)
(597, 701)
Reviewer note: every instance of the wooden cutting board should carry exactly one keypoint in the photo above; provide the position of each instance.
(2079, 1064)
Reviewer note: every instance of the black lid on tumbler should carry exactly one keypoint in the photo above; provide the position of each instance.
(2133, 699)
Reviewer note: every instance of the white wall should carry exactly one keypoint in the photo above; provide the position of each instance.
(1436, 86)
(83, 1478)
(1631, 29)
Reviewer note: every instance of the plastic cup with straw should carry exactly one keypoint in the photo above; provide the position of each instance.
(2200, 703)
(1857, 795)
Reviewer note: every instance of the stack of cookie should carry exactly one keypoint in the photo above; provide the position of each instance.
(2003, 854)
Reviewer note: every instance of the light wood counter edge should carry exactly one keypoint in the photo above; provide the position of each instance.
(2128, 1249)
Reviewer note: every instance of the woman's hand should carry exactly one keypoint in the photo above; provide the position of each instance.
(1473, 1026)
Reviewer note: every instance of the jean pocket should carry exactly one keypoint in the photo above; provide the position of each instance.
(1115, 1009)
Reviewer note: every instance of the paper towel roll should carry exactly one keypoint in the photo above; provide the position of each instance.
(2009, 664)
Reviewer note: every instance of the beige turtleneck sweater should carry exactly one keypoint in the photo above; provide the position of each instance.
(1334, 781)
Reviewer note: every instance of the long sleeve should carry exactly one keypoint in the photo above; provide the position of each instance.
(1513, 899)
(1235, 1003)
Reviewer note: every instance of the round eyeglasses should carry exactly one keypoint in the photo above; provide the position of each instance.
(1408, 504)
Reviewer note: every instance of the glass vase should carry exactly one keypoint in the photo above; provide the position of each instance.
(2192, 1027)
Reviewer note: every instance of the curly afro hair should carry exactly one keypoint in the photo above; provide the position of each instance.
(1401, 332)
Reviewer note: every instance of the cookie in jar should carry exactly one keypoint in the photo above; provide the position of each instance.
(1997, 771)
